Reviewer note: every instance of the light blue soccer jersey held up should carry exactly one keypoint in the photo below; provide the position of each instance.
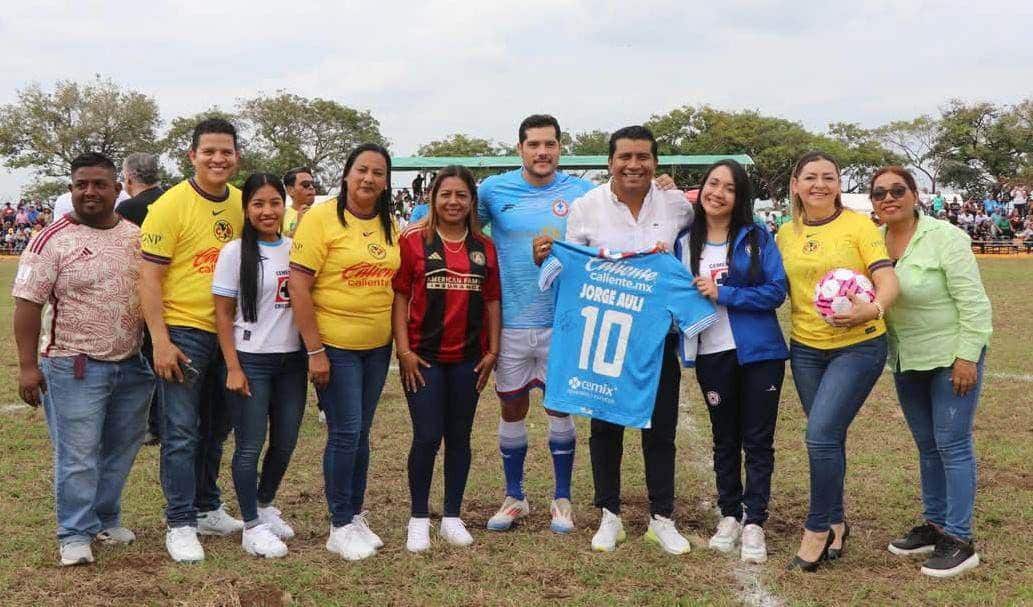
(518, 212)
(613, 312)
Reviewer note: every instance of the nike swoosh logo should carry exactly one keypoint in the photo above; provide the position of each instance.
(214, 213)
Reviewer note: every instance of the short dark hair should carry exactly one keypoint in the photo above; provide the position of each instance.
(636, 133)
(291, 176)
(93, 159)
(536, 121)
(213, 126)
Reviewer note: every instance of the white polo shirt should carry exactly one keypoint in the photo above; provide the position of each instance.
(599, 219)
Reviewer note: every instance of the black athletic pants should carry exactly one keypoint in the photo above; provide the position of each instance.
(607, 445)
(743, 404)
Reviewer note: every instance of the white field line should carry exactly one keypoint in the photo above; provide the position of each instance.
(13, 408)
(1026, 377)
(751, 589)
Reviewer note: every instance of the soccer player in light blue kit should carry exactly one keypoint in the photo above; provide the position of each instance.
(521, 205)
(525, 206)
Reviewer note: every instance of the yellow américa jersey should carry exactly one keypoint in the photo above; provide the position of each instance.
(353, 266)
(846, 240)
(185, 229)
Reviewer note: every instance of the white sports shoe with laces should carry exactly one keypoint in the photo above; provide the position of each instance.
(663, 533)
(610, 533)
(511, 510)
(361, 522)
(728, 531)
(271, 517)
(349, 542)
(417, 535)
(454, 531)
(261, 541)
(182, 544)
(218, 522)
(754, 549)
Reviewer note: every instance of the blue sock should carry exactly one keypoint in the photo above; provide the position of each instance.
(562, 439)
(513, 447)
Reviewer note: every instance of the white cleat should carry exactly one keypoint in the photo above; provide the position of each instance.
(182, 544)
(348, 542)
(511, 510)
(454, 531)
(270, 517)
(728, 531)
(562, 516)
(663, 533)
(754, 549)
(261, 541)
(76, 554)
(417, 535)
(218, 522)
(361, 522)
(610, 533)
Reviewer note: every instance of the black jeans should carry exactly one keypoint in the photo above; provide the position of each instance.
(743, 404)
(607, 445)
(443, 409)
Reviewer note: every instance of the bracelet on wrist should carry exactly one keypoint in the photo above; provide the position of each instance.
(406, 353)
(878, 306)
(318, 351)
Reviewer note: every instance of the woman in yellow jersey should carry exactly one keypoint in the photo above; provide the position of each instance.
(344, 256)
(835, 363)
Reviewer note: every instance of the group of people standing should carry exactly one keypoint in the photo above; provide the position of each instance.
(244, 305)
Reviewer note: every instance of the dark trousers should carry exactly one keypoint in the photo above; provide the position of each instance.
(743, 404)
(607, 445)
(154, 414)
(443, 409)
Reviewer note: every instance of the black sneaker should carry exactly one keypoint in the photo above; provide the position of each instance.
(951, 557)
(920, 540)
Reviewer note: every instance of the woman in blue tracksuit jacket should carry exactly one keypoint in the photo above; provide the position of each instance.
(740, 359)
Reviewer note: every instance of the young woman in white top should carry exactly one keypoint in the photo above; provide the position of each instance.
(266, 369)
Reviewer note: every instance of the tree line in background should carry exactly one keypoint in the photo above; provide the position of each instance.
(973, 147)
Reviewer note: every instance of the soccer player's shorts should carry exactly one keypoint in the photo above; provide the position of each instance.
(521, 363)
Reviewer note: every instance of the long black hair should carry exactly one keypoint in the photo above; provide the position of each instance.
(383, 207)
(742, 216)
(467, 177)
(250, 258)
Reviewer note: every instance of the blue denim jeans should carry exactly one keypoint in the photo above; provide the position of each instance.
(195, 424)
(278, 384)
(96, 426)
(349, 401)
(941, 424)
(832, 384)
(443, 409)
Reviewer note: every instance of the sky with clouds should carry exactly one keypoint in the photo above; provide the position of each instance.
(427, 69)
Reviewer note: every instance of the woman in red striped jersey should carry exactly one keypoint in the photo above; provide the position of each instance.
(447, 322)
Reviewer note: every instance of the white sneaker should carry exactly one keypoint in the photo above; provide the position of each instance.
(322, 417)
(728, 531)
(663, 533)
(76, 554)
(270, 517)
(218, 522)
(754, 549)
(562, 516)
(182, 544)
(348, 542)
(116, 536)
(611, 532)
(511, 510)
(454, 531)
(417, 536)
(261, 541)
(362, 524)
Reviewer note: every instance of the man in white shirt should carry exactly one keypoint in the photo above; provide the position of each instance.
(1019, 198)
(629, 213)
(63, 203)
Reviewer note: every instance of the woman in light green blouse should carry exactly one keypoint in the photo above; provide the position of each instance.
(938, 331)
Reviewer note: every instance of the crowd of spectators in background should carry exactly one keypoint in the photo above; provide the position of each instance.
(1000, 215)
(20, 223)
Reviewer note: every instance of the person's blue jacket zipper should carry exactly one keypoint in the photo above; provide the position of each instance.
(751, 307)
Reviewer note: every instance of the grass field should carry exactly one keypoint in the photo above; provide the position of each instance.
(531, 565)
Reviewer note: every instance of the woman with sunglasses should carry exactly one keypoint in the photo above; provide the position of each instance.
(740, 362)
(266, 369)
(447, 325)
(835, 362)
(939, 329)
(344, 256)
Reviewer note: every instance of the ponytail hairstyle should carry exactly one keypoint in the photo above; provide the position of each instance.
(250, 258)
(809, 157)
(464, 174)
(741, 217)
(383, 206)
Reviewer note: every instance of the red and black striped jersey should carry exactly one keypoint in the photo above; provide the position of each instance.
(447, 285)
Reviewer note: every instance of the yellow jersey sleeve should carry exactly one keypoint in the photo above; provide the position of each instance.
(310, 246)
(160, 230)
(872, 246)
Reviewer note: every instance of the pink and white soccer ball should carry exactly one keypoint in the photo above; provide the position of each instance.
(833, 291)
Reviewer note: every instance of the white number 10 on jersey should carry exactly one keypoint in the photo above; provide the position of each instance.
(610, 318)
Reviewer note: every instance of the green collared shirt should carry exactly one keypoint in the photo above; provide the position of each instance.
(942, 312)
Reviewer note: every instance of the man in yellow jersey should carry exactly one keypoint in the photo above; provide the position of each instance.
(181, 238)
(301, 187)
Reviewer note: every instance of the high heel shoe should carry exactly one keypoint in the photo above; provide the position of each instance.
(808, 566)
(835, 553)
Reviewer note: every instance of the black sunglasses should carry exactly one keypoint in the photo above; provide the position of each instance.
(897, 191)
(307, 184)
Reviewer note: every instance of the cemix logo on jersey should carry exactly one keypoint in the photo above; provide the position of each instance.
(365, 274)
(204, 261)
(585, 387)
